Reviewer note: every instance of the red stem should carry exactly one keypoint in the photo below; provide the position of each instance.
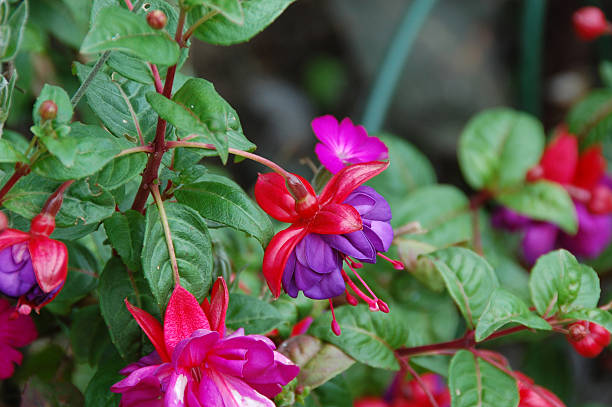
(21, 169)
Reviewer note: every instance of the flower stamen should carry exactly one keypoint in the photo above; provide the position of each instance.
(398, 265)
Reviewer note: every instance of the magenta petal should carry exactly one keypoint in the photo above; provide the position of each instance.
(8, 357)
(371, 149)
(234, 391)
(593, 236)
(328, 158)
(175, 392)
(539, 239)
(192, 351)
(326, 129)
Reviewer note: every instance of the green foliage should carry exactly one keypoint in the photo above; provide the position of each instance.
(591, 119)
(11, 31)
(61, 99)
(255, 316)
(125, 232)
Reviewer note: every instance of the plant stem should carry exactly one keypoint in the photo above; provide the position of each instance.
(167, 233)
(264, 161)
(94, 71)
(21, 169)
(391, 68)
(139, 149)
(159, 87)
(421, 383)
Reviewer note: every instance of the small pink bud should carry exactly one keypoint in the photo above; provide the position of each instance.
(24, 309)
(157, 19)
(590, 23)
(48, 110)
(335, 327)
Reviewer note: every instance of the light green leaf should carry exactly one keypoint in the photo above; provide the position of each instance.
(61, 99)
(545, 201)
(252, 314)
(59, 143)
(504, 308)
(558, 283)
(14, 29)
(230, 9)
(8, 154)
(116, 28)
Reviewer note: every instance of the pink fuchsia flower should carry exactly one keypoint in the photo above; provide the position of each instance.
(197, 364)
(344, 143)
(16, 330)
(33, 267)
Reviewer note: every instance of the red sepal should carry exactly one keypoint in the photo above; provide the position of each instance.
(12, 236)
(347, 179)
(302, 326)
(216, 310)
(151, 327)
(277, 253)
(49, 261)
(336, 219)
(560, 158)
(591, 167)
(183, 316)
(272, 196)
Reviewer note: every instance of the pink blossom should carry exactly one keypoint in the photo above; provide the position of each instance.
(16, 330)
(344, 143)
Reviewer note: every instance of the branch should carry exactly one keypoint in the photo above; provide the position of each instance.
(167, 233)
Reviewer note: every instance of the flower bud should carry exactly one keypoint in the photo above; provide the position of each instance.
(306, 203)
(588, 338)
(601, 200)
(157, 19)
(48, 110)
(590, 23)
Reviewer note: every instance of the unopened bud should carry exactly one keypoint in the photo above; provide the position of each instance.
(306, 203)
(157, 19)
(590, 23)
(3, 222)
(48, 110)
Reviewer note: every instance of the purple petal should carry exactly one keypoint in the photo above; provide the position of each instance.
(16, 272)
(226, 391)
(355, 244)
(593, 236)
(539, 239)
(313, 252)
(288, 277)
(508, 219)
(380, 210)
(331, 285)
(306, 277)
(380, 234)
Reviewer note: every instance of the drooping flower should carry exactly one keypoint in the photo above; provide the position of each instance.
(197, 364)
(16, 331)
(344, 143)
(588, 338)
(33, 267)
(532, 395)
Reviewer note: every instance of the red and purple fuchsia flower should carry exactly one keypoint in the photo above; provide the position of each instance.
(346, 223)
(583, 176)
(197, 364)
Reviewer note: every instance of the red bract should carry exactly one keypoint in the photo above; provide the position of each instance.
(588, 338)
(294, 201)
(590, 23)
(531, 395)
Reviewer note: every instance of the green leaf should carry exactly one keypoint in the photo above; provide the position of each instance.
(474, 382)
(95, 148)
(420, 267)
(230, 9)
(7, 89)
(591, 119)
(61, 99)
(504, 308)
(368, 337)
(558, 283)
(441, 210)
(14, 28)
(119, 171)
(545, 201)
(470, 280)
(220, 199)
(258, 14)
(8, 154)
(112, 98)
(252, 314)
(115, 286)
(318, 361)
(97, 393)
(498, 146)
(408, 170)
(192, 247)
(130, 67)
(88, 334)
(119, 29)
(58, 143)
(126, 234)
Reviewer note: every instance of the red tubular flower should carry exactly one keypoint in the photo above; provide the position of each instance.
(294, 201)
(590, 23)
(588, 338)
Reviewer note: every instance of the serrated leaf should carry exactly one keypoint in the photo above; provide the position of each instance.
(545, 201)
(368, 337)
(591, 118)
(252, 314)
(258, 14)
(558, 283)
(115, 286)
(441, 210)
(504, 308)
(15, 27)
(220, 199)
(126, 234)
(112, 99)
(8, 154)
(498, 146)
(192, 247)
(470, 280)
(61, 99)
(474, 382)
(119, 29)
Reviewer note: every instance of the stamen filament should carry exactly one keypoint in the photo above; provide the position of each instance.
(371, 303)
(398, 265)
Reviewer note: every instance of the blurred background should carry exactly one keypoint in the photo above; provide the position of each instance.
(325, 56)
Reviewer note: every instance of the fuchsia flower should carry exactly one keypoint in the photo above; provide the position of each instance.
(16, 330)
(196, 364)
(33, 266)
(344, 143)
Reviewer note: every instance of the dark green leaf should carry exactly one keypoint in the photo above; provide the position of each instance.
(220, 199)
(116, 28)
(558, 283)
(192, 248)
(480, 385)
(504, 308)
(126, 234)
(545, 201)
(97, 393)
(15, 26)
(368, 337)
(61, 99)
(119, 171)
(498, 146)
(88, 334)
(255, 316)
(258, 14)
(470, 280)
(591, 119)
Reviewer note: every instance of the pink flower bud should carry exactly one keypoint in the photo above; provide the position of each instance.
(48, 110)
(590, 23)
(157, 19)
